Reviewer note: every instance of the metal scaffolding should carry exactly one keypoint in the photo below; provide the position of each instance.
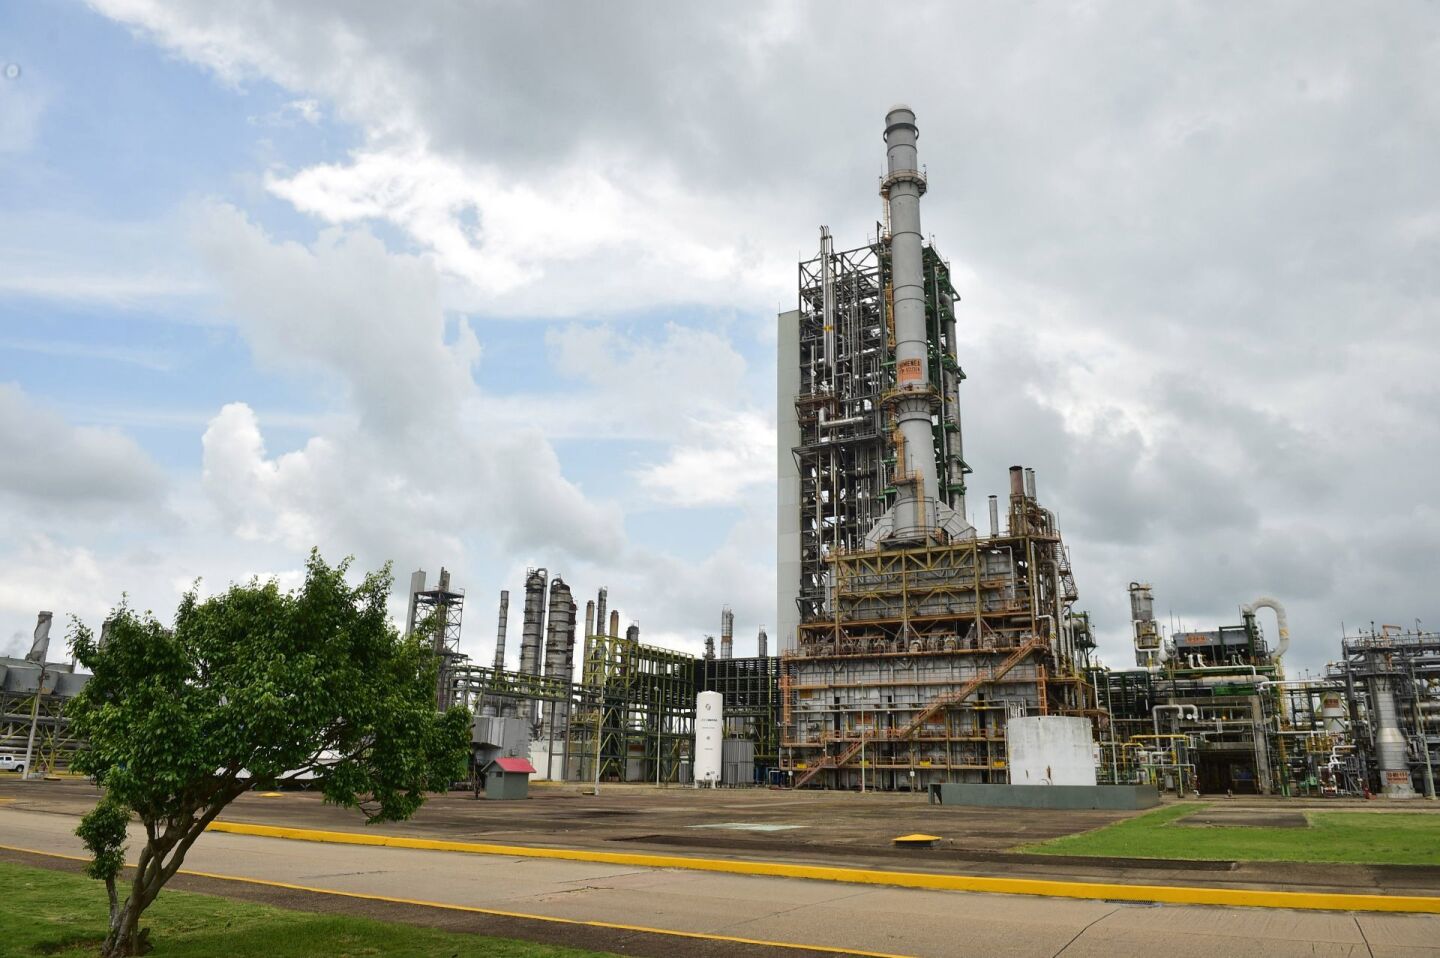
(635, 718)
(30, 699)
(750, 689)
(922, 652)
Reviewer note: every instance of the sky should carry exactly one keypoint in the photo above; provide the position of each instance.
(493, 286)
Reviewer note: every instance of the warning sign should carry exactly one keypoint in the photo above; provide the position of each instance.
(909, 371)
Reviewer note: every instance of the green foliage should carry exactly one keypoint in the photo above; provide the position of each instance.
(45, 912)
(1398, 838)
(253, 687)
(103, 832)
(270, 682)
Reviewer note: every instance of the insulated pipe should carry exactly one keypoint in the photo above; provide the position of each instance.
(1281, 626)
(915, 460)
(500, 630)
(827, 300)
(994, 517)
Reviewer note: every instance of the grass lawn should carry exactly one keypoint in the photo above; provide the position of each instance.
(45, 912)
(1396, 838)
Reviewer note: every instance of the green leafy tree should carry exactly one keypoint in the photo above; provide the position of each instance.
(252, 688)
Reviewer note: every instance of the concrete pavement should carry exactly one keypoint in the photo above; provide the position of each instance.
(878, 920)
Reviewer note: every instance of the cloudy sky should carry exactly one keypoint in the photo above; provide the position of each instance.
(494, 285)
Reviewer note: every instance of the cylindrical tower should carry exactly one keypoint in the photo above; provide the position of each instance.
(915, 395)
(533, 629)
(632, 632)
(762, 643)
(727, 633)
(589, 619)
(709, 646)
(500, 630)
(1394, 753)
(614, 623)
(600, 612)
(559, 622)
(994, 517)
(1144, 629)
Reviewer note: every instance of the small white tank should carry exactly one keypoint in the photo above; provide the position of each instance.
(709, 738)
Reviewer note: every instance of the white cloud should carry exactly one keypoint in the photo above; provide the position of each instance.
(422, 463)
(1196, 259)
(51, 465)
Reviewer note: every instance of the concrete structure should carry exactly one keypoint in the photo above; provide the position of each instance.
(1050, 750)
(1110, 797)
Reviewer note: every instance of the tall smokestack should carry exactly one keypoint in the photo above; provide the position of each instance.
(918, 490)
(417, 585)
(614, 623)
(994, 517)
(727, 633)
(500, 630)
(632, 632)
(589, 618)
(532, 636)
(1030, 483)
(600, 611)
(762, 643)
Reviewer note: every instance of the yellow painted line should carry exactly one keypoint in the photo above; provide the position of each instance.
(614, 926)
(1166, 894)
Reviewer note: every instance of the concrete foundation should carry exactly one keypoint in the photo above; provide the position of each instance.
(1110, 797)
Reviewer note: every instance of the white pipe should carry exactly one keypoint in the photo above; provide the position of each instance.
(1282, 627)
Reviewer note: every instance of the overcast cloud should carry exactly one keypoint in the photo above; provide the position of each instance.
(1196, 247)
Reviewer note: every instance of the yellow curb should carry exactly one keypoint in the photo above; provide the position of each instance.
(614, 926)
(1165, 894)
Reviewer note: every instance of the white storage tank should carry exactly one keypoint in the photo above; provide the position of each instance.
(709, 738)
(1050, 750)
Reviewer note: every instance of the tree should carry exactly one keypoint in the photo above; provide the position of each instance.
(251, 688)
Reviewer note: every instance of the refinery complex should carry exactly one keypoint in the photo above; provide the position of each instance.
(913, 650)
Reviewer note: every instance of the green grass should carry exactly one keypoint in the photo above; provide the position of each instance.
(45, 912)
(1396, 838)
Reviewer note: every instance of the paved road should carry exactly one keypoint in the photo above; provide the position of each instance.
(884, 920)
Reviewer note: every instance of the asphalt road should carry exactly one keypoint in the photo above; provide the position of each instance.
(874, 919)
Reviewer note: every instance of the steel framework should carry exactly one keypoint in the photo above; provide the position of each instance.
(750, 688)
(921, 652)
(844, 456)
(635, 717)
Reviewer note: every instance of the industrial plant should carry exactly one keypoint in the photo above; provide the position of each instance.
(916, 652)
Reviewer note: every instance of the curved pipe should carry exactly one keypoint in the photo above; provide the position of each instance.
(1281, 625)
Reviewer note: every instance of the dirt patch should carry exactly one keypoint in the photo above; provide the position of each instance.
(1244, 818)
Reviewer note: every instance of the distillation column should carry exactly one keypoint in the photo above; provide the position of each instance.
(500, 630)
(533, 630)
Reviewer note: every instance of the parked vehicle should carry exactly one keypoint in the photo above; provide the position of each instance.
(10, 762)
